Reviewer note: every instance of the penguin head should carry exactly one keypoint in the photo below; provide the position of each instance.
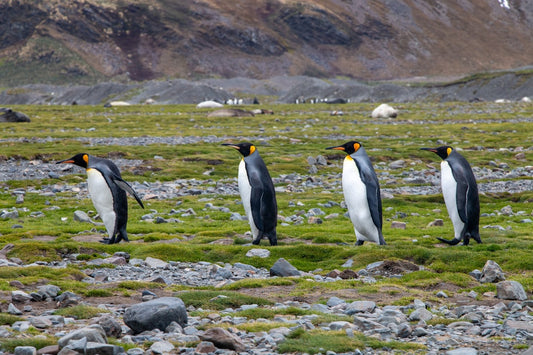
(81, 159)
(245, 149)
(348, 147)
(443, 152)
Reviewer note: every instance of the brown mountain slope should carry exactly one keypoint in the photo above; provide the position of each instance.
(84, 41)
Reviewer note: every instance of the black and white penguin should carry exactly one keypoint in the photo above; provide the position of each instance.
(108, 193)
(460, 193)
(361, 193)
(257, 193)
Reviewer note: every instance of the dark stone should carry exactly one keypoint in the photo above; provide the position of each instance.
(8, 115)
(157, 313)
(283, 268)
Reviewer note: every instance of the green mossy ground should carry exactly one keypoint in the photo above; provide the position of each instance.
(285, 140)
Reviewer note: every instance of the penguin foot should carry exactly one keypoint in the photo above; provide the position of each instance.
(450, 242)
(106, 241)
(273, 240)
(359, 242)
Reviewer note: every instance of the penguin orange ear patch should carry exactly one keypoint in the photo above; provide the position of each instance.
(448, 151)
(252, 149)
(86, 158)
(356, 147)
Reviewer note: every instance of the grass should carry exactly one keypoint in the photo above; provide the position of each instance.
(317, 341)
(285, 140)
(80, 311)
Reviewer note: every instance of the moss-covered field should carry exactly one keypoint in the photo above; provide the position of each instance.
(488, 133)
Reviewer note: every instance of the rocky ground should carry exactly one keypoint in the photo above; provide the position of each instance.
(472, 323)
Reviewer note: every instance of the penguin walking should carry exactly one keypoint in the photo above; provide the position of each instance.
(108, 193)
(257, 193)
(460, 192)
(362, 193)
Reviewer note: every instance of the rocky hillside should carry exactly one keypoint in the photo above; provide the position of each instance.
(86, 41)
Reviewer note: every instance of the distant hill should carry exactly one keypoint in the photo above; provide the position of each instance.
(90, 41)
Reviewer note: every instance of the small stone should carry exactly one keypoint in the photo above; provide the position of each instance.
(398, 225)
(260, 253)
(436, 223)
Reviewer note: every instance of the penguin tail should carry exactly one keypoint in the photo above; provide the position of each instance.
(272, 238)
(450, 242)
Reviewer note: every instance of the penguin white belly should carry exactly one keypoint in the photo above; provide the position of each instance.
(449, 191)
(246, 191)
(102, 199)
(356, 200)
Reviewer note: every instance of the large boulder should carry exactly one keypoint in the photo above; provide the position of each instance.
(8, 115)
(384, 111)
(157, 313)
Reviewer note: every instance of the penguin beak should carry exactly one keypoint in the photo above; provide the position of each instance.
(430, 149)
(340, 147)
(231, 145)
(66, 161)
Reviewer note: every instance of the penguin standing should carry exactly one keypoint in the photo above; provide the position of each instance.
(257, 193)
(361, 193)
(108, 193)
(460, 195)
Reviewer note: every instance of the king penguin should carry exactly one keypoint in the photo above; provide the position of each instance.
(361, 193)
(460, 195)
(108, 193)
(257, 193)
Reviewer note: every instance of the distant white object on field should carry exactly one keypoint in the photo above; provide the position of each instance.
(525, 99)
(119, 103)
(209, 104)
(149, 101)
(502, 101)
(384, 111)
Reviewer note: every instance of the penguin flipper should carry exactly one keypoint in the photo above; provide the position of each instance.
(126, 187)
(373, 196)
(450, 242)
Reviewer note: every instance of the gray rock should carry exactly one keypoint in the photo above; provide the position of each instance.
(155, 314)
(223, 339)
(156, 263)
(20, 296)
(25, 350)
(510, 290)
(162, 347)
(81, 216)
(334, 301)
(41, 322)
(492, 272)
(11, 309)
(360, 307)
(260, 253)
(366, 323)
(283, 268)
(110, 325)
(338, 325)
(420, 314)
(49, 291)
(404, 330)
(67, 299)
(94, 333)
(462, 351)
